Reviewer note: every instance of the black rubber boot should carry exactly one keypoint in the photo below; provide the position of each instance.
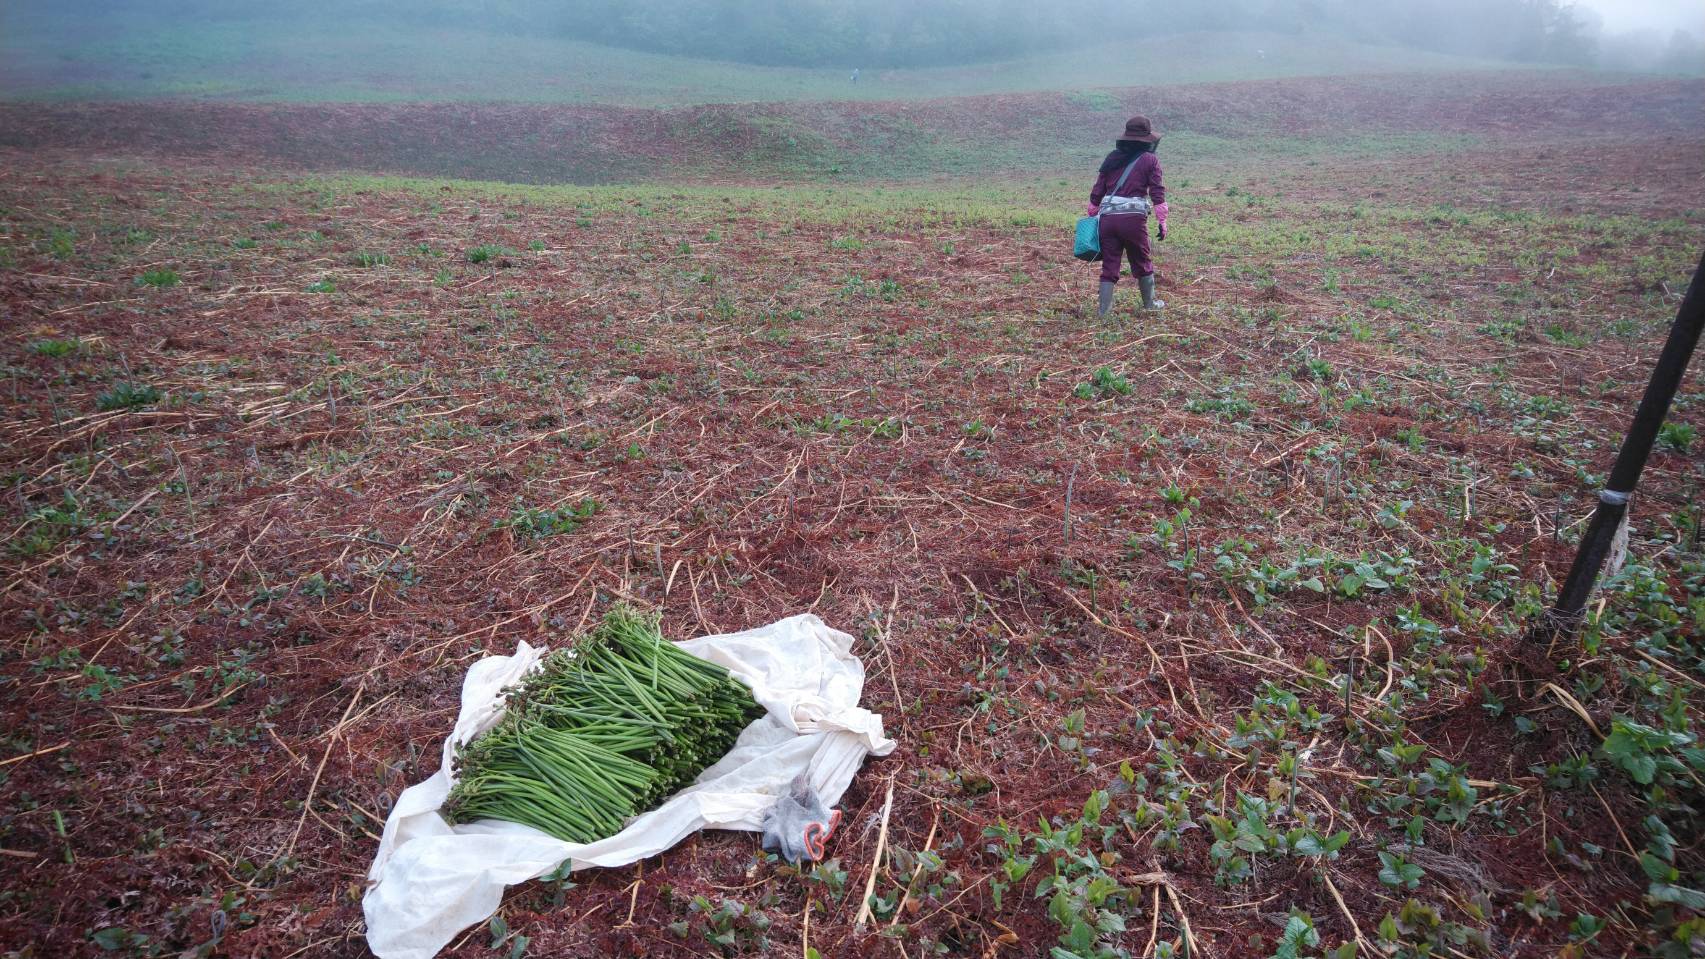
(1106, 297)
(1146, 283)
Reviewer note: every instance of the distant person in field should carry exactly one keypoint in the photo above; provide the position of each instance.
(855, 75)
(1127, 191)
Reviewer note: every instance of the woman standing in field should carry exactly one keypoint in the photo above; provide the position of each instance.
(1127, 190)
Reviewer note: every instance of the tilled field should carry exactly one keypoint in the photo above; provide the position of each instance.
(1588, 117)
(285, 455)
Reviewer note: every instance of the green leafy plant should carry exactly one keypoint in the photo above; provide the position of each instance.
(1667, 884)
(877, 427)
(535, 523)
(61, 243)
(1103, 383)
(1586, 927)
(56, 348)
(1251, 834)
(1225, 404)
(856, 286)
(1644, 752)
(1677, 436)
(1318, 370)
(101, 682)
(120, 939)
(128, 396)
(1300, 940)
(48, 526)
(1084, 899)
(829, 876)
(1014, 864)
(1086, 902)
(730, 926)
(487, 252)
(1397, 872)
(1418, 931)
(502, 935)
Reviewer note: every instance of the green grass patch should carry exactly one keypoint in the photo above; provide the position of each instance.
(56, 348)
(128, 396)
(486, 252)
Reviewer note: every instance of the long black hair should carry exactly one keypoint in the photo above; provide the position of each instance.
(1124, 151)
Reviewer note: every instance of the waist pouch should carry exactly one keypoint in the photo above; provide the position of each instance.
(1140, 205)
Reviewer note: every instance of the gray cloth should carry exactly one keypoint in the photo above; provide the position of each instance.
(1114, 205)
(799, 824)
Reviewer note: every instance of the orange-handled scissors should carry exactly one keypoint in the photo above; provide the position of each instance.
(817, 835)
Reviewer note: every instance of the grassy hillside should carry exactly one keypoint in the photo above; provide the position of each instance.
(117, 58)
(1390, 117)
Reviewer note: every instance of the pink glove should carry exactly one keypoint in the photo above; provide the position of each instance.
(1160, 218)
(1092, 210)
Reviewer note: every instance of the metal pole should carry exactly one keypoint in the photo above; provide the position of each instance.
(1565, 617)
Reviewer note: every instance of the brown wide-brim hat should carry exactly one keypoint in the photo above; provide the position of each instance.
(1139, 130)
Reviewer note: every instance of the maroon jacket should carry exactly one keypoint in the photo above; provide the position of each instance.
(1143, 181)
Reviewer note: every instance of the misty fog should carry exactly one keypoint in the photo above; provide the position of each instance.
(96, 47)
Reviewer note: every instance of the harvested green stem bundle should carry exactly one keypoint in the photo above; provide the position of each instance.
(600, 733)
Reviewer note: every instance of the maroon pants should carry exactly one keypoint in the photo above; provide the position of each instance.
(1125, 234)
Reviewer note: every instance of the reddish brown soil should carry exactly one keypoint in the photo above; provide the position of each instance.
(374, 436)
